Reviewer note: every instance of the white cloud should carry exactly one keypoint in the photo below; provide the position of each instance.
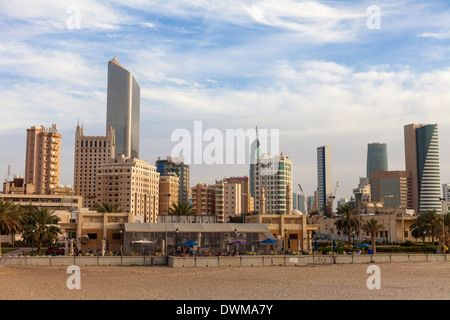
(441, 36)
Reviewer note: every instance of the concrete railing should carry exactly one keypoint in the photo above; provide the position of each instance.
(84, 260)
(221, 261)
(289, 260)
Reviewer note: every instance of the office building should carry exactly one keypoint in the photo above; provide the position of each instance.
(324, 177)
(392, 188)
(177, 166)
(272, 174)
(133, 184)
(422, 160)
(377, 159)
(90, 153)
(43, 158)
(123, 109)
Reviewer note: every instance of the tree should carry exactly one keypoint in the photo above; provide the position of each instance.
(427, 224)
(42, 225)
(372, 226)
(181, 209)
(108, 207)
(347, 219)
(10, 218)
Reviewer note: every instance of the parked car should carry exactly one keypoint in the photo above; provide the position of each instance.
(54, 251)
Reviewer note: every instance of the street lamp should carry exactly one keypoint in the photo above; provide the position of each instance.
(235, 239)
(32, 241)
(176, 238)
(285, 239)
(121, 240)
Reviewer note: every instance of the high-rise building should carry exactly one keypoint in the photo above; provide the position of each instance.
(43, 158)
(168, 192)
(393, 188)
(123, 109)
(90, 153)
(171, 165)
(422, 160)
(377, 159)
(324, 176)
(272, 174)
(132, 183)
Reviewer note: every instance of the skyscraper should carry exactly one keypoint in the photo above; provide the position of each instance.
(377, 159)
(324, 176)
(43, 158)
(272, 175)
(123, 109)
(422, 160)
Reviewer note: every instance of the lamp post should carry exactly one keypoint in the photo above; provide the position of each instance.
(33, 230)
(235, 239)
(285, 239)
(176, 239)
(121, 240)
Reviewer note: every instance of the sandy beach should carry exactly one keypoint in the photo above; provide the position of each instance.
(399, 281)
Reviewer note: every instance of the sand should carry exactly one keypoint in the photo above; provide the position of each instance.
(399, 281)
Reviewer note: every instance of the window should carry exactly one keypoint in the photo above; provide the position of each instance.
(92, 236)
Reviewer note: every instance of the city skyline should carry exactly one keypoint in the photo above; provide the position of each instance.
(232, 66)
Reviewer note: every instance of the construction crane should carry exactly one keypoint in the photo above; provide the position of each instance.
(304, 199)
(332, 197)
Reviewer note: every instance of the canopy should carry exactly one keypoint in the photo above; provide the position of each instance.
(189, 243)
(268, 240)
(363, 245)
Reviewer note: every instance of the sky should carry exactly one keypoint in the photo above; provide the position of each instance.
(338, 73)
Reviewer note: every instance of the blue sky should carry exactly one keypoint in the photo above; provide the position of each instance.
(312, 69)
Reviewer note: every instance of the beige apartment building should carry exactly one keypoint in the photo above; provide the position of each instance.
(132, 183)
(222, 199)
(247, 202)
(168, 192)
(43, 157)
(90, 153)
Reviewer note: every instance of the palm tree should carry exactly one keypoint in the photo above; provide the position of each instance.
(42, 225)
(181, 209)
(10, 218)
(347, 219)
(372, 226)
(427, 224)
(108, 207)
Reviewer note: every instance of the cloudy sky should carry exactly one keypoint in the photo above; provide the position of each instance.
(321, 72)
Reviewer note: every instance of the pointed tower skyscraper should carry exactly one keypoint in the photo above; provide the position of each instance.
(123, 109)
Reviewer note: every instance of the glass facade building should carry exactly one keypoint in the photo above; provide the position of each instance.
(422, 160)
(377, 159)
(123, 109)
(324, 176)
